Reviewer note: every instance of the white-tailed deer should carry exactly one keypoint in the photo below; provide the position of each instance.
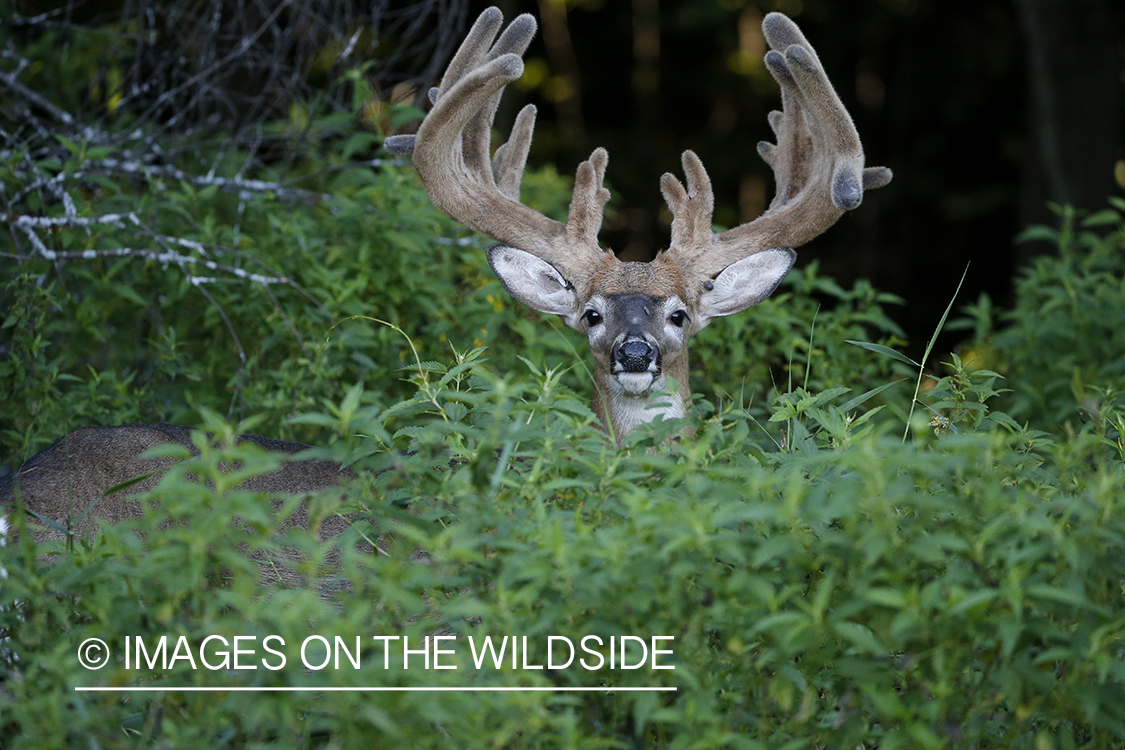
(66, 484)
(638, 316)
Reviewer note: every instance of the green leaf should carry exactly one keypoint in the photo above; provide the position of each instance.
(1063, 596)
(1105, 217)
(974, 599)
(886, 597)
(885, 351)
(1038, 232)
(866, 396)
(860, 636)
(70, 145)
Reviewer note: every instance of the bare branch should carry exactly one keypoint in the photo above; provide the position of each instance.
(204, 83)
(10, 80)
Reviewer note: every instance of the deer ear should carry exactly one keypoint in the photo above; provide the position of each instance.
(746, 283)
(532, 281)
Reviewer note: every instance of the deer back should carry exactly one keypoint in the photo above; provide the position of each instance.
(61, 482)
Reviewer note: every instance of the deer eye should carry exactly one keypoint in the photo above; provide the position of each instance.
(678, 318)
(592, 317)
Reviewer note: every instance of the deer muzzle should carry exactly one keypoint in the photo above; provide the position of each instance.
(636, 365)
(634, 355)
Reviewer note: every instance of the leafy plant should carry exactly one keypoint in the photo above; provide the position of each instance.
(1062, 342)
(960, 590)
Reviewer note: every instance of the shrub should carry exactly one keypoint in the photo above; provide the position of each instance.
(961, 589)
(1062, 344)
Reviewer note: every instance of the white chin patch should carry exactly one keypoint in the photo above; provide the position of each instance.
(635, 383)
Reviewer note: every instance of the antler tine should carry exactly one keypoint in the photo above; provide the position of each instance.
(451, 153)
(817, 164)
(473, 49)
(587, 205)
(691, 209)
(510, 158)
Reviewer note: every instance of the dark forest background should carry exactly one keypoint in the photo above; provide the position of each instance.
(987, 112)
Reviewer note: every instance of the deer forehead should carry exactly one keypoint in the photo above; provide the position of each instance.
(658, 279)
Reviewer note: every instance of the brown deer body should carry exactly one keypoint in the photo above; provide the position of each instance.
(62, 482)
(638, 317)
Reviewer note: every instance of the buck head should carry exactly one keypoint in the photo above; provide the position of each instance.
(638, 317)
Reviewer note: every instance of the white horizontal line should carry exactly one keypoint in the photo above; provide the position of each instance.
(373, 689)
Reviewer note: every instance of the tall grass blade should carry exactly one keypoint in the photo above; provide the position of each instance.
(929, 348)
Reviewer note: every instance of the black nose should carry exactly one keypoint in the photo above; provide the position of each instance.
(634, 355)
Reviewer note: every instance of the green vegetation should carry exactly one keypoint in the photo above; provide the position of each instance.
(827, 582)
(1062, 345)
